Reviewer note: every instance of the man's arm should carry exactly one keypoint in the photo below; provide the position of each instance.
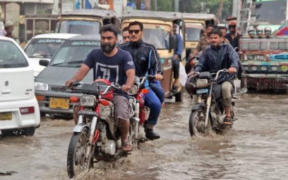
(233, 60)
(202, 62)
(83, 71)
(130, 80)
(156, 65)
(85, 68)
(129, 68)
(179, 46)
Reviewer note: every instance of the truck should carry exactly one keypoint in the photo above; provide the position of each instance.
(264, 55)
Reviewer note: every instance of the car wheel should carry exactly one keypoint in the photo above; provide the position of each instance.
(29, 131)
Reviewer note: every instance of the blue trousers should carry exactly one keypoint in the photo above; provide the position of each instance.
(154, 100)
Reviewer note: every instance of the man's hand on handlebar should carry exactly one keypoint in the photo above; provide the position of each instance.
(158, 77)
(193, 73)
(126, 88)
(69, 83)
(232, 70)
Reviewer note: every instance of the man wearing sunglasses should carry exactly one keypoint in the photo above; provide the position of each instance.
(146, 62)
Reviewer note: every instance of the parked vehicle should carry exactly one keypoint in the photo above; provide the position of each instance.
(64, 64)
(86, 21)
(19, 109)
(264, 45)
(194, 23)
(44, 46)
(208, 113)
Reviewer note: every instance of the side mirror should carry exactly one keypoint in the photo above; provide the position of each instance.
(44, 63)
(172, 42)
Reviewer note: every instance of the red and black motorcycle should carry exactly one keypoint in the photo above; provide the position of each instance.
(96, 134)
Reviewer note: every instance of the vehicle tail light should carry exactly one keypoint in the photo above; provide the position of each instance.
(144, 91)
(104, 102)
(40, 98)
(27, 110)
(74, 99)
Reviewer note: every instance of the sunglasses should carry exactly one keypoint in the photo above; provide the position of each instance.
(134, 31)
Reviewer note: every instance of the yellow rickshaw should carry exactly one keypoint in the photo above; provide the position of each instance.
(195, 23)
(158, 27)
(86, 21)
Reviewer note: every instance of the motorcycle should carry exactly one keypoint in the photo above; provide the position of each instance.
(96, 134)
(209, 112)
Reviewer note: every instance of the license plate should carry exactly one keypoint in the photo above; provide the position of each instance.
(59, 103)
(7, 116)
(202, 91)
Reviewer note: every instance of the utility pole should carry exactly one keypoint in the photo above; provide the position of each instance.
(219, 13)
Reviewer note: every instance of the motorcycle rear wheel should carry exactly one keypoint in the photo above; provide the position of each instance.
(76, 160)
(197, 123)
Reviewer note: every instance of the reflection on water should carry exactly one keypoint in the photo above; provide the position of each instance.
(256, 148)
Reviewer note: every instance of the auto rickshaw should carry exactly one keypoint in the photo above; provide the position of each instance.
(194, 23)
(86, 21)
(158, 30)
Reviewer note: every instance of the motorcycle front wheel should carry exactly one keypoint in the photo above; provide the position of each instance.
(197, 123)
(76, 159)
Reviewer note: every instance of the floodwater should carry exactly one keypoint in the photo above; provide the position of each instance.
(256, 148)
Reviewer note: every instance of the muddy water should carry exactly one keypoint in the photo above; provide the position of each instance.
(256, 148)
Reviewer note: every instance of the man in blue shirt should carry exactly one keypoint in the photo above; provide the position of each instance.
(116, 66)
(177, 55)
(146, 62)
(219, 56)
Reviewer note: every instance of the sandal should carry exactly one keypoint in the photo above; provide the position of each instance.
(126, 147)
(228, 121)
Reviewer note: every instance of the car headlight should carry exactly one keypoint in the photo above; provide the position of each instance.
(88, 100)
(246, 68)
(39, 86)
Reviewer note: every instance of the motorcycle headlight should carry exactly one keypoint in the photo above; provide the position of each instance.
(88, 100)
(39, 86)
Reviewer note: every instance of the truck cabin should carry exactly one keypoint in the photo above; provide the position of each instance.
(86, 21)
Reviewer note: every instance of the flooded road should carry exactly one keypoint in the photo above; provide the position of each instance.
(256, 148)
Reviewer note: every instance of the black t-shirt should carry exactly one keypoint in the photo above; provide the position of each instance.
(111, 68)
(234, 42)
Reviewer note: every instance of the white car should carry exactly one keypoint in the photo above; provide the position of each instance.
(19, 109)
(43, 47)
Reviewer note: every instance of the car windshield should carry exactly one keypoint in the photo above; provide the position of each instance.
(43, 48)
(73, 53)
(273, 12)
(193, 32)
(80, 27)
(11, 56)
(157, 35)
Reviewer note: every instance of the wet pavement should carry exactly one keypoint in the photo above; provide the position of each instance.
(256, 148)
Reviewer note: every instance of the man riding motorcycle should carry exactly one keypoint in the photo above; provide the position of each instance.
(146, 62)
(116, 66)
(219, 56)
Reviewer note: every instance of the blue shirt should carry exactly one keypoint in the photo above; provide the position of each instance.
(111, 68)
(179, 48)
(215, 59)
